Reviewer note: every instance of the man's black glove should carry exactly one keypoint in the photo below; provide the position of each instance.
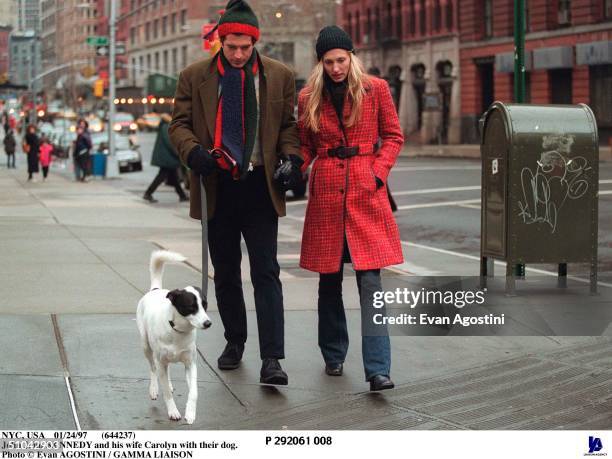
(288, 175)
(201, 161)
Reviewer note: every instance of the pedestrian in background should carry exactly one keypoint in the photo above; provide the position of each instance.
(82, 150)
(167, 160)
(347, 122)
(9, 148)
(31, 146)
(45, 156)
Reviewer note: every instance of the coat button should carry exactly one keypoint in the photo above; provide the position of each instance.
(341, 190)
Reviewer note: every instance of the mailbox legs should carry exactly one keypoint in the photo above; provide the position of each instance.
(510, 279)
(562, 279)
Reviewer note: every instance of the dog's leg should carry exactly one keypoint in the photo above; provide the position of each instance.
(191, 374)
(173, 412)
(153, 388)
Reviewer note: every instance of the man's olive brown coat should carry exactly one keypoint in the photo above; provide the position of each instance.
(194, 115)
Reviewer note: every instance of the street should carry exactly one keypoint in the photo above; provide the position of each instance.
(74, 263)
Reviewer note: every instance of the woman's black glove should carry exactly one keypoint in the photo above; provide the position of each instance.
(201, 161)
(288, 175)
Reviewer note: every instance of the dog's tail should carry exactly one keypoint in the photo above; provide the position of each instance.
(156, 267)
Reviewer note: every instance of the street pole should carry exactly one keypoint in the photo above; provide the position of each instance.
(111, 76)
(519, 73)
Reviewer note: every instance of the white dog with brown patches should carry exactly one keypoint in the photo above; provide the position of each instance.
(167, 321)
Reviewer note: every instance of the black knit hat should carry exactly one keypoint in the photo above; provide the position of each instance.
(333, 37)
(239, 18)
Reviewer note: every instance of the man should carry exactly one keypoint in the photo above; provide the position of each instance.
(232, 122)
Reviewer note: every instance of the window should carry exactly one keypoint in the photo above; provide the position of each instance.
(389, 19)
(155, 28)
(488, 18)
(148, 62)
(378, 23)
(173, 23)
(449, 15)
(165, 61)
(164, 26)
(132, 35)
(183, 18)
(357, 27)
(422, 18)
(437, 16)
(398, 18)
(157, 61)
(147, 31)
(368, 30)
(184, 57)
(412, 21)
(141, 64)
(608, 9)
(564, 12)
(174, 61)
(349, 25)
(133, 69)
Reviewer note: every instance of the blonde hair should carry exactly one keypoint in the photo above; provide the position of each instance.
(358, 82)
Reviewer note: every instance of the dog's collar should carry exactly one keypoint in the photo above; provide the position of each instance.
(171, 322)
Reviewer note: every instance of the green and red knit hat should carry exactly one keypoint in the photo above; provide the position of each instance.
(238, 18)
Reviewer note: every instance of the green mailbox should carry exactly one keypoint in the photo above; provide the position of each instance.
(540, 180)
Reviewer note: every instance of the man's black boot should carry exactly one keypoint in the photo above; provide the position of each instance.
(272, 373)
(230, 357)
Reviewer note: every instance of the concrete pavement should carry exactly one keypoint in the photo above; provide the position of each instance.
(74, 263)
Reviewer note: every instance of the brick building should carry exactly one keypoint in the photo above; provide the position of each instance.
(4, 50)
(166, 37)
(414, 44)
(121, 35)
(568, 57)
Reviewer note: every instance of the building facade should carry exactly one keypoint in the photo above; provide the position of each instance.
(28, 15)
(568, 57)
(165, 38)
(289, 31)
(5, 32)
(24, 56)
(8, 13)
(414, 45)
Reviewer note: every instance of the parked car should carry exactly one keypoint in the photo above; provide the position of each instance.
(95, 123)
(148, 122)
(124, 123)
(128, 156)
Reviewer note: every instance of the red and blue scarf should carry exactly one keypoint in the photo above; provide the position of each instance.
(237, 112)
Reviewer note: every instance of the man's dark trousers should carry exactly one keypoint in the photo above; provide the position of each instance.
(244, 207)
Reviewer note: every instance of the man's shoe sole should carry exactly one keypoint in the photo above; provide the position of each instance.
(276, 380)
(378, 389)
(228, 366)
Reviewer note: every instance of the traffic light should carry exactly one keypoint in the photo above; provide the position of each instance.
(99, 88)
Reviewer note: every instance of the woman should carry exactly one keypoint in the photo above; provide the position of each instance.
(31, 145)
(342, 115)
(82, 149)
(166, 159)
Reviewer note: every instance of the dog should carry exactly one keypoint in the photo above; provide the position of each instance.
(167, 322)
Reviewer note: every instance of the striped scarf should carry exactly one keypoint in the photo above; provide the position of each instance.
(237, 112)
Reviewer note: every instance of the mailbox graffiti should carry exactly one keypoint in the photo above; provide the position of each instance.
(555, 179)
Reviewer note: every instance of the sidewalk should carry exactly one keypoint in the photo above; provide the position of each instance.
(74, 263)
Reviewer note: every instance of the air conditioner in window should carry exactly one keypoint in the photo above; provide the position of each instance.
(564, 17)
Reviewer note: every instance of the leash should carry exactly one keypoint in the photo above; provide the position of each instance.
(204, 222)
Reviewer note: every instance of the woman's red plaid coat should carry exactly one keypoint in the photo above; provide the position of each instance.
(343, 198)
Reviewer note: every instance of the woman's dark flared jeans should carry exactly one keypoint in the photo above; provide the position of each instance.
(333, 334)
